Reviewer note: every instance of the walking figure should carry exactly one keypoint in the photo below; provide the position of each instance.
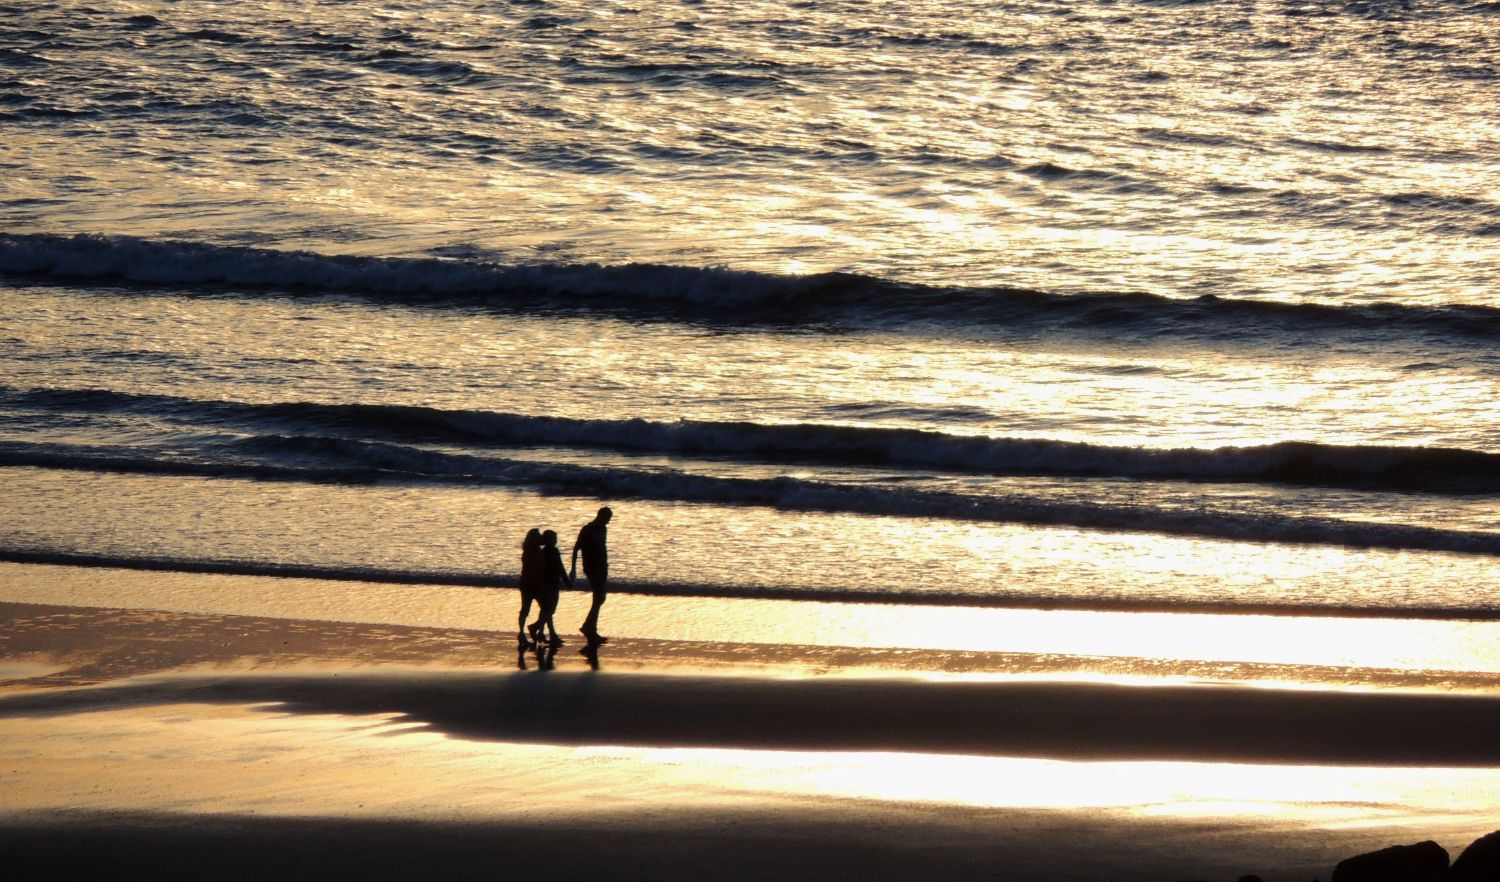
(553, 577)
(531, 578)
(593, 544)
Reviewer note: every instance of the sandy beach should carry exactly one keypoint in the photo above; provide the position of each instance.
(145, 743)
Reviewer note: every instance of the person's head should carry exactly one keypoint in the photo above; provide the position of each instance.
(549, 538)
(533, 538)
(604, 515)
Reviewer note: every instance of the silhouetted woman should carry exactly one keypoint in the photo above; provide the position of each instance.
(532, 566)
(554, 574)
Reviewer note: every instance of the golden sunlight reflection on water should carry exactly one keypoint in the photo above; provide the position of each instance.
(1094, 392)
(696, 549)
(860, 159)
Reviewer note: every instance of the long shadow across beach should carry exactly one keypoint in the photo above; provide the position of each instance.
(1033, 719)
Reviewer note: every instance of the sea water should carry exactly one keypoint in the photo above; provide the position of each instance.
(1105, 305)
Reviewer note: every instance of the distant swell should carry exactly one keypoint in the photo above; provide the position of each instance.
(827, 594)
(753, 296)
(370, 462)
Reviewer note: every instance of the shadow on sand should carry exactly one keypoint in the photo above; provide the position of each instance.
(1030, 719)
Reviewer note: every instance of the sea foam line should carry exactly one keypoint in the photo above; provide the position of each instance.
(986, 600)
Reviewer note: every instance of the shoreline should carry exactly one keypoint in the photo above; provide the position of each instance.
(793, 636)
(1047, 603)
(51, 645)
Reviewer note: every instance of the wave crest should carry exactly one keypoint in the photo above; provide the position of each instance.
(727, 295)
(148, 261)
(1381, 467)
(349, 461)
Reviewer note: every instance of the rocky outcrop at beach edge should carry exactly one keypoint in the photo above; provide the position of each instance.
(1420, 862)
(1424, 862)
(1480, 862)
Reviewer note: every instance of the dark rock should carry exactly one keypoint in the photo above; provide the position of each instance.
(1251, 878)
(1480, 862)
(1423, 862)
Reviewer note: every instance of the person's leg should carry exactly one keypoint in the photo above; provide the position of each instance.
(590, 629)
(535, 628)
(549, 612)
(525, 611)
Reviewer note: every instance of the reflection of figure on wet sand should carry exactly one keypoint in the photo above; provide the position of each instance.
(553, 577)
(544, 652)
(592, 543)
(531, 578)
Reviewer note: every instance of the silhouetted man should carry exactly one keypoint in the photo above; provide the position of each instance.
(592, 543)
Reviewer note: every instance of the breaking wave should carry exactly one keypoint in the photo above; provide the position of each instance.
(347, 461)
(340, 431)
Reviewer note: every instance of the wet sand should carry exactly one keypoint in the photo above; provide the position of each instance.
(147, 744)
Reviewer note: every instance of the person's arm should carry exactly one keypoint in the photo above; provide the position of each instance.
(577, 547)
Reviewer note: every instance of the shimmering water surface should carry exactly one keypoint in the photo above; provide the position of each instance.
(1334, 151)
(1123, 305)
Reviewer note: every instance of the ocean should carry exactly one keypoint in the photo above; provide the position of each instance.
(1136, 307)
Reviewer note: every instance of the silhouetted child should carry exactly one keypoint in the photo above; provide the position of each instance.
(554, 574)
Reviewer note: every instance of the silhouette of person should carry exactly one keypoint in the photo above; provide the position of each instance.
(592, 543)
(553, 577)
(531, 579)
